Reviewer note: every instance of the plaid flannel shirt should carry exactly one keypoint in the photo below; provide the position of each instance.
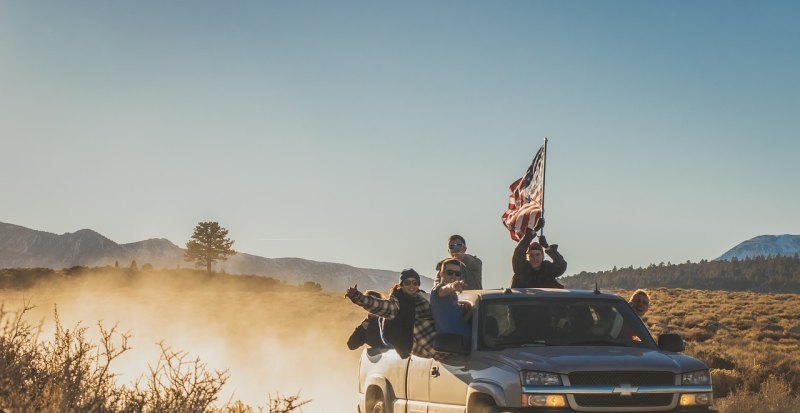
(424, 328)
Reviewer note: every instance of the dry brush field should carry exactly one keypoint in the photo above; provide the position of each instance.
(269, 339)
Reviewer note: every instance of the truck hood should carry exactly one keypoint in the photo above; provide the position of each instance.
(566, 359)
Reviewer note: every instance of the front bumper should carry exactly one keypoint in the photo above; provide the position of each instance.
(696, 409)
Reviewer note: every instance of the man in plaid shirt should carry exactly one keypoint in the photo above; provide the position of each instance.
(407, 319)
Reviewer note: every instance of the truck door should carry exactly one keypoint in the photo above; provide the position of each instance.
(419, 370)
(448, 385)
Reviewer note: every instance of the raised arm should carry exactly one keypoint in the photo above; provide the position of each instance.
(382, 308)
(559, 264)
(518, 260)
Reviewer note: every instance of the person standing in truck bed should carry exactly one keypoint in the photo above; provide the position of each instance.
(471, 266)
(531, 270)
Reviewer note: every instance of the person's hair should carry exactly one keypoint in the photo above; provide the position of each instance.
(637, 292)
(456, 237)
(447, 262)
(535, 246)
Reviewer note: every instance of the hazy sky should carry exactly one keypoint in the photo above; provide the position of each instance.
(368, 132)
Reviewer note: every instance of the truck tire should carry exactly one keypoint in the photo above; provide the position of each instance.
(378, 407)
(483, 404)
(489, 409)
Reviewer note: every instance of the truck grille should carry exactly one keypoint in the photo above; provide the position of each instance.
(615, 400)
(615, 378)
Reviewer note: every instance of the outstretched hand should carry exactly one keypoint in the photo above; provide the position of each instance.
(543, 242)
(458, 285)
(352, 292)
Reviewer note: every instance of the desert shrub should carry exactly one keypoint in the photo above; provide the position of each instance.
(768, 335)
(70, 374)
(715, 359)
(692, 321)
(725, 381)
(24, 278)
(774, 396)
(698, 335)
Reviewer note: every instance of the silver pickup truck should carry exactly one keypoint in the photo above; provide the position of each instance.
(540, 350)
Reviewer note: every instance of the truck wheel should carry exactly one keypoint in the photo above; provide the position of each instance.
(487, 409)
(378, 407)
(483, 405)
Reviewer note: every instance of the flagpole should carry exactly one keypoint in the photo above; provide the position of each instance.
(544, 176)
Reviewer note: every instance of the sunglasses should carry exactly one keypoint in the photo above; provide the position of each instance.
(456, 246)
(641, 302)
(411, 282)
(453, 272)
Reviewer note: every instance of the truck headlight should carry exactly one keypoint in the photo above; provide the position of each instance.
(696, 378)
(540, 378)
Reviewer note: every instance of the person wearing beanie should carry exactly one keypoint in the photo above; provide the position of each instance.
(408, 324)
(531, 270)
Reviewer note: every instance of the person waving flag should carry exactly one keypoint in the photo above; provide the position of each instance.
(526, 202)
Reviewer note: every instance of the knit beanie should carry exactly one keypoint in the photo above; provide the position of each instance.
(408, 273)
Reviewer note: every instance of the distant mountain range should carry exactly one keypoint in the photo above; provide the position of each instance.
(764, 245)
(743, 268)
(22, 247)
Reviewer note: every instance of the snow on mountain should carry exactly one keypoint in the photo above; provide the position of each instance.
(764, 245)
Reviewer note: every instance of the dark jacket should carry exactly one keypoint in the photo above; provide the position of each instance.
(371, 336)
(399, 331)
(408, 324)
(527, 277)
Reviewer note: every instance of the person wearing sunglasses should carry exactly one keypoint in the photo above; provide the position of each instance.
(531, 270)
(472, 266)
(408, 324)
(444, 299)
(640, 302)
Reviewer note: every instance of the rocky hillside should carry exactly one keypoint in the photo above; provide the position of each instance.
(22, 247)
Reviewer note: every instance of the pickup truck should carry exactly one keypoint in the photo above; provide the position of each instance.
(540, 350)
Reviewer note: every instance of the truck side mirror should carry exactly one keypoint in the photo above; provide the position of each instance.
(451, 343)
(671, 342)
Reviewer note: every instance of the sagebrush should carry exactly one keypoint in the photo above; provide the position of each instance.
(71, 374)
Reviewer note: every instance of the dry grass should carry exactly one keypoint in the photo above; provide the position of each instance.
(254, 340)
(70, 374)
(259, 338)
(746, 338)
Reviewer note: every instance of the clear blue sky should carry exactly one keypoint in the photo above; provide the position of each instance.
(367, 132)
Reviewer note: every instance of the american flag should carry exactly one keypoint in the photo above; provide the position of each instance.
(526, 202)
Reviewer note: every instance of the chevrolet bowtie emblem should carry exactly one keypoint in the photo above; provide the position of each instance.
(625, 390)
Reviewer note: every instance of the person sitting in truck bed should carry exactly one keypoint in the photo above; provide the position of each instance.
(408, 324)
(368, 331)
(444, 300)
(530, 268)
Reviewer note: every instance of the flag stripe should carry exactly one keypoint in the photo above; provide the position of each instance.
(525, 203)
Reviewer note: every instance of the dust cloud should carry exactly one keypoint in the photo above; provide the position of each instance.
(269, 341)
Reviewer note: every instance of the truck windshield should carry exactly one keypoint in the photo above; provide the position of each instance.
(560, 322)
